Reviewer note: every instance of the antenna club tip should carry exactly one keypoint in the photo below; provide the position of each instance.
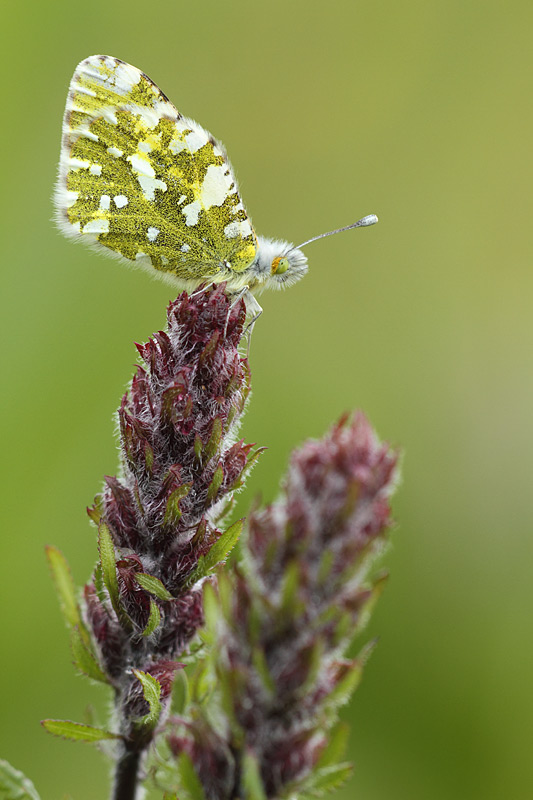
(371, 219)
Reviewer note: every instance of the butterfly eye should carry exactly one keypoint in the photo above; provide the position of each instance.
(279, 266)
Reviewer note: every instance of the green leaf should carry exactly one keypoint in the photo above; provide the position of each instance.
(189, 780)
(153, 585)
(14, 785)
(152, 693)
(326, 780)
(218, 552)
(154, 620)
(75, 731)
(252, 785)
(64, 585)
(84, 658)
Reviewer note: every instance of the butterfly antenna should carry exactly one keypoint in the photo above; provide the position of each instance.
(370, 219)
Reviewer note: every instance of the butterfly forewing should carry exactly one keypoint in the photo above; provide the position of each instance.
(141, 180)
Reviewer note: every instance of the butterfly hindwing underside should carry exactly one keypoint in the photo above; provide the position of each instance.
(148, 184)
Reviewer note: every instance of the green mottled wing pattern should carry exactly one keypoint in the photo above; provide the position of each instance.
(139, 179)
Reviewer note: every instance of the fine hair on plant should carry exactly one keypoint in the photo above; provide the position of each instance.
(226, 675)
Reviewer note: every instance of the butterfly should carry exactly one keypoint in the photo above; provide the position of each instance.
(151, 187)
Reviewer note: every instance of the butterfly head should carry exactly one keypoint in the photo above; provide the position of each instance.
(277, 264)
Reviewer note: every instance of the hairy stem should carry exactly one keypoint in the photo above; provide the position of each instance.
(127, 775)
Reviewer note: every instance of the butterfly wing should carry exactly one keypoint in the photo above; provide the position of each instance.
(137, 178)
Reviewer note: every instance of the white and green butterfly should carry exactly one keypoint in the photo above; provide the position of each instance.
(154, 188)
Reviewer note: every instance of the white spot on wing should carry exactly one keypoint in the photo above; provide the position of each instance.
(234, 229)
(231, 230)
(95, 169)
(196, 139)
(151, 234)
(87, 133)
(80, 89)
(146, 175)
(125, 77)
(67, 198)
(109, 115)
(149, 185)
(120, 200)
(215, 187)
(141, 165)
(177, 145)
(114, 151)
(97, 226)
(78, 163)
(105, 202)
(191, 212)
(185, 248)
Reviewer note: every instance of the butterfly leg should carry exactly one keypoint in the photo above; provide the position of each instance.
(253, 310)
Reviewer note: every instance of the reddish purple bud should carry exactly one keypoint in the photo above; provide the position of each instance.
(296, 603)
(178, 425)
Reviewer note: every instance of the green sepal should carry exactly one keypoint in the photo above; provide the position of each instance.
(207, 353)
(152, 693)
(190, 786)
(106, 549)
(84, 657)
(250, 463)
(290, 606)
(324, 569)
(336, 746)
(214, 486)
(375, 592)
(154, 620)
(251, 782)
(261, 667)
(315, 654)
(180, 692)
(153, 585)
(95, 511)
(226, 593)
(326, 780)
(75, 731)
(148, 457)
(346, 685)
(201, 683)
(64, 585)
(218, 552)
(173, 510)
(211, 608)
(198, 447)
(213, 443)
(14, 785)
(99, 586)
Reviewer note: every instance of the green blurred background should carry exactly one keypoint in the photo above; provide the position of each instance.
(419, 112)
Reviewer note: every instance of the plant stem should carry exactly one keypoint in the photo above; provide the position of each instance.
(126, 775)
